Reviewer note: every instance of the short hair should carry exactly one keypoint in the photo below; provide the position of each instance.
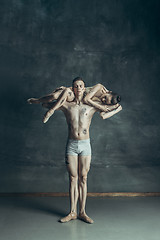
(77, 79)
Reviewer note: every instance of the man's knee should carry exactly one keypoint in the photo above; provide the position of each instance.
(73, 178)
(83, 179)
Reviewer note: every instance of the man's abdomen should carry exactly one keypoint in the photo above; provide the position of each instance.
(79, 134)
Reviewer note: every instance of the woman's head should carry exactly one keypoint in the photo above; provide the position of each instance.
(110, 98)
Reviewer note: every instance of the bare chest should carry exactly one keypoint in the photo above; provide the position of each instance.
(79, 113)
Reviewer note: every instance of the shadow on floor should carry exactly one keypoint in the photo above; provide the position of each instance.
(36, 204)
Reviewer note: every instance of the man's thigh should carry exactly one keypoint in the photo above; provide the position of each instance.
(83, 164)
(72, 164)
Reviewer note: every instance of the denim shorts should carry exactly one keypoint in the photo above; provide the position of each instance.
(78, 147)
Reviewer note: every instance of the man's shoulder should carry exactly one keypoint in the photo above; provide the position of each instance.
(88, 108)
(67, 105)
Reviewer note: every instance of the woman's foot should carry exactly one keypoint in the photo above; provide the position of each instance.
(45, 119)
(47, 116)
(32, 100)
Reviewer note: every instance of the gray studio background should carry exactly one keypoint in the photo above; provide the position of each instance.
(45, 44)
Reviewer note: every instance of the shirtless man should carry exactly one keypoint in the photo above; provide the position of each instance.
(78, 150)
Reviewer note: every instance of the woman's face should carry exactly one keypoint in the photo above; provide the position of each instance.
(110, 98)
(107, 98)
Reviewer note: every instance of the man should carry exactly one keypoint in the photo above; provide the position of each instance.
(79, 112)
(78, 150)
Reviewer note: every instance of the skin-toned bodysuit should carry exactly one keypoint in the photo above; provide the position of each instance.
(62, 94)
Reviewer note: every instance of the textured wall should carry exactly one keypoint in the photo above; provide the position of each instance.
(45, 44)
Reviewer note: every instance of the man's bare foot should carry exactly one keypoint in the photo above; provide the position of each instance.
(85, 218)
(32, 100)
(69, 217)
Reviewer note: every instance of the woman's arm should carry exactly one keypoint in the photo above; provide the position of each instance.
(95, 91)
(102, 107)
(48, 98)
(105, 115)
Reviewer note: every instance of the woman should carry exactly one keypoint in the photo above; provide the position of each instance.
(97, 96)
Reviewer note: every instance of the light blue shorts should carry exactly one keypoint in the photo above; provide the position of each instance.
(78, 147)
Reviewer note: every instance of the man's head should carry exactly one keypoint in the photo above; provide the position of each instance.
(78, 86)
(110, 98)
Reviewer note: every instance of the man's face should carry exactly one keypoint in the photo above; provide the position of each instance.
(78, 88)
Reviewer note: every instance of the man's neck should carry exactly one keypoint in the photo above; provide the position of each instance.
(78, 99)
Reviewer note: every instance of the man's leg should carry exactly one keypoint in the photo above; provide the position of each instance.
(72, 167)
(83, 169)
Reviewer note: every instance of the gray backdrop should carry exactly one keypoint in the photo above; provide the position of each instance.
(45, 44)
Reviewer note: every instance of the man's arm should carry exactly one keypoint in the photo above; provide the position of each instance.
(105, 115)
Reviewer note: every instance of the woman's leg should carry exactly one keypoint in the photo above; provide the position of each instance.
(61, 100)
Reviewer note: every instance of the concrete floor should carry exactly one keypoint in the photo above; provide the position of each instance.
(36, 218)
